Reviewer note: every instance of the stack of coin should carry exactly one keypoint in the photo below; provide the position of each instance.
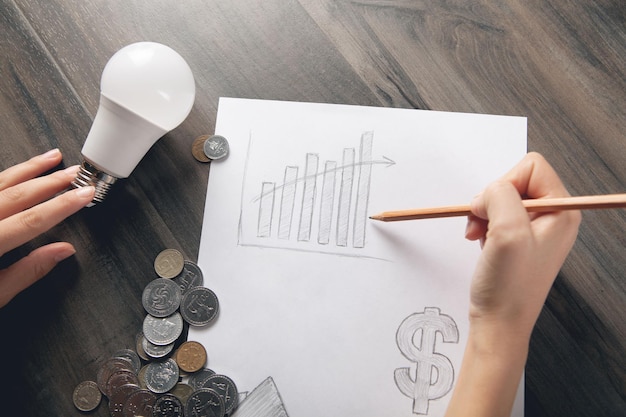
(207, 148)
(148, 381)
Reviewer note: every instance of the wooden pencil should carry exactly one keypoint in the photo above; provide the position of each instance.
(536, 205)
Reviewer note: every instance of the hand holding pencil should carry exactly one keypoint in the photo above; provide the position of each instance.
(521, 256)
(536, 205)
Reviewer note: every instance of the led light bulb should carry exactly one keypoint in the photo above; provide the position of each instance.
(146, 90)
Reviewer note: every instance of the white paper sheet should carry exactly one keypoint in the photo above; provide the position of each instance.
(338, 309)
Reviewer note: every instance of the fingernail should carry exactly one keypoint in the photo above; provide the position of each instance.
(51, 154)
(72, 170)
(64, 254)
(83, 192)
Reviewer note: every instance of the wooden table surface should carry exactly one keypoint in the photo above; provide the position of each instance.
(560, 63)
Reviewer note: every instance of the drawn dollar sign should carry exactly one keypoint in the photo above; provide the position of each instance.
(427, 385)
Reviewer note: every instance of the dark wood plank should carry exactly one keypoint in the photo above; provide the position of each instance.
(67, 324)
(559, 63)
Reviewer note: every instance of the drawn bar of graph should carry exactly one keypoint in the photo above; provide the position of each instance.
(287, 201)
(363, 190)
(327, 202)
(345, 197)
(266, 209)
(308, 197)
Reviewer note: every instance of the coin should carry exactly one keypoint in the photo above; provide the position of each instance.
(156, 351)
(182, 391)
(161, 297)
(190, 277)
(139, 346)
(190, 356)
(120, 378)
(162, 376)
(131, 356)
(226, 388)
(139, 404)
(168, 405)
(162, 330)
(169, 263)
(141, 376)
(199, 306)
(118, 398)
(197, 148)
(205, 402)
(216, 147)
(87, 396)
(108, 368)
(197, 379)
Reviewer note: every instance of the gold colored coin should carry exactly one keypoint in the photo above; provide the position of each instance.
(169, 263)
(191, 356)
(141, 376)
(182, 392)
(197, 149)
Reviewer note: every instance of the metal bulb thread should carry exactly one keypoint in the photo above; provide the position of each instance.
(90, 175)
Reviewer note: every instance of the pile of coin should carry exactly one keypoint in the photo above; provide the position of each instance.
(148, 381)
(207, 148)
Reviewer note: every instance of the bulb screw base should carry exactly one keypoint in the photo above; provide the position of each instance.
(90, 175)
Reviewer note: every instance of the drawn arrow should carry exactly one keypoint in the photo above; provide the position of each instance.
(384, 161)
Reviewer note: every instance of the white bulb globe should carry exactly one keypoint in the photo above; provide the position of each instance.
(146, 90)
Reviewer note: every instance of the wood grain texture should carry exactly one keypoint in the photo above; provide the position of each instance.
(560, 63)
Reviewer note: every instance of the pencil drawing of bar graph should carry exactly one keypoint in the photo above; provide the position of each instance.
(321, 202)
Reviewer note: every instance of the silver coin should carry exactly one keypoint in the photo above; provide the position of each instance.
(226, 388)
(199, 306)
(87, 396)
(156, 351)
(162, 376)
(216, 147)
(198, 378)
(205, 402)
(169, 263)
(131, 356)
(161, 297)
(190, 277)
(163, 330)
